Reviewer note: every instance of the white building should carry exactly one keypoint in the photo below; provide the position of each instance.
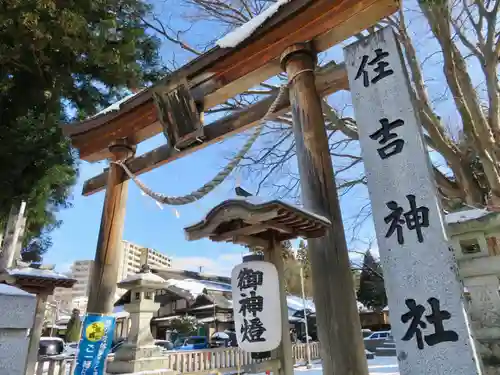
(132, 258)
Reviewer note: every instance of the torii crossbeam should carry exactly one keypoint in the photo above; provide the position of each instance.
(288, 41)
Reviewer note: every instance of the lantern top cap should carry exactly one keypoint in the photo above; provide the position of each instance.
(39, 278)
(245, 219)
(144, 278)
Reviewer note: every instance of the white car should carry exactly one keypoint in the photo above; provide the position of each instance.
(381, 335)
(70, 349)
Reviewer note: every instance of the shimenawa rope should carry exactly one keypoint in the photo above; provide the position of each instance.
(222, 175)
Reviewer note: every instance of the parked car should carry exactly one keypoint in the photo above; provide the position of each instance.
(50, 346)
(366, 332)
(70, 349)
(116, 344)
(164, 344)
(192, 343)
(381, 335)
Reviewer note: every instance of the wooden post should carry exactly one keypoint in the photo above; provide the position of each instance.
(339, 329)
(36, 331)
(273, 254)
(109, 248)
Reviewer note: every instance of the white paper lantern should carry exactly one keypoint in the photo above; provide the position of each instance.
(256, 306)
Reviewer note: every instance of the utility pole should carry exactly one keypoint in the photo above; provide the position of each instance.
(339, 329)
(106, 265)
(308, 349)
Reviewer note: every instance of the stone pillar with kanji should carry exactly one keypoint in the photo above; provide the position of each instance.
(425, 294)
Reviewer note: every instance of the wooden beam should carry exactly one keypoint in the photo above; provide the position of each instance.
(245, 231)
(329, 79)
(221, 74)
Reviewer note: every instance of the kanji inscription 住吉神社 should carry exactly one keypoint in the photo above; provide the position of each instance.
(428, 319)
(256, 306)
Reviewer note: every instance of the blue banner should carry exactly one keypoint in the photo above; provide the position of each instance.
(95, 344)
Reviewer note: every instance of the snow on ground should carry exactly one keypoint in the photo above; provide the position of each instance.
(377, 366)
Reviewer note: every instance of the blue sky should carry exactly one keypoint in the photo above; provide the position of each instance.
(148, 225)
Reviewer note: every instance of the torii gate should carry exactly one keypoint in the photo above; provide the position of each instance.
(287, 41)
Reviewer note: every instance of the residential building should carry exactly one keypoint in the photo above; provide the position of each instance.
(132, 258)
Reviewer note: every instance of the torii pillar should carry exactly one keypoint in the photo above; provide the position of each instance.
(339, 329)
(106, 265)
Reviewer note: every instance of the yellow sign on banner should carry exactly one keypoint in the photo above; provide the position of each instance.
(94, 331)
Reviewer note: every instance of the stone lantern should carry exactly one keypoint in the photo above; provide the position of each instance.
(139, 353)
(475, 237)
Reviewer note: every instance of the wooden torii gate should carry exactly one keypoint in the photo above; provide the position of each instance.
(287, 41)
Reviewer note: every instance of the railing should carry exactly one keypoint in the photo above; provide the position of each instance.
(58, 365)
(299, 351)
(192, 361)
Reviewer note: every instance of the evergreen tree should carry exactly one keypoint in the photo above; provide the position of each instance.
(371, 292)
(74, 327)
(59, 62)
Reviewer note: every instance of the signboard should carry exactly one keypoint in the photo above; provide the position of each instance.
(256, 305)
(427, 314)
(95, 343)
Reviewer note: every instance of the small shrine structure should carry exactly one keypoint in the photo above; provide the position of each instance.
(41, 282)
(262, 225)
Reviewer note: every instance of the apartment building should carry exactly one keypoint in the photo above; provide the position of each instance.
(69, 298)
(134, 256)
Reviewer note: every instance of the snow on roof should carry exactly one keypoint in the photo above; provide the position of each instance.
(261, 201)
(143, 276)
(12, 291)
(35, 272)
(238, 35)
(116, 106)
(193, 287)
(295, 303)
(215, 285)
(362, 308)
(466, 215)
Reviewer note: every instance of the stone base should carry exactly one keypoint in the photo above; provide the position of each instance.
(129, 352)
(155, 365)
(489, 351)
(488, 346)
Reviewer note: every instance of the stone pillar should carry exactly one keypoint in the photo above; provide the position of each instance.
(16, 318)
(36, 333)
